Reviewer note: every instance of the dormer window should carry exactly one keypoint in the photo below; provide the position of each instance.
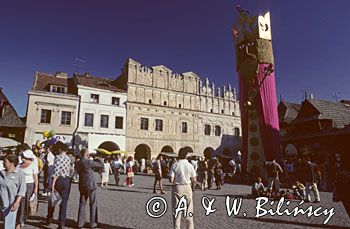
(116, 101)
(94, 98)
(58, 89)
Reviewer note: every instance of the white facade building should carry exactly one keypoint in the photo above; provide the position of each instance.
(52, 105)
(168, 111)
(102, 113)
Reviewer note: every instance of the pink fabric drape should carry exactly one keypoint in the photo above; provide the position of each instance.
(266, 105)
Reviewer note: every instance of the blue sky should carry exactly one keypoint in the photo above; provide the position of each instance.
(310, 40)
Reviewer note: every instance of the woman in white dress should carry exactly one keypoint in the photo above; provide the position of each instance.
(106, 171)
(30, 170)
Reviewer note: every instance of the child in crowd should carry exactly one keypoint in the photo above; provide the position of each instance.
(299, 190)
(258, 188)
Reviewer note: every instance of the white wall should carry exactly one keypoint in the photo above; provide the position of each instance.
(104, 107)
(55, 102)
(94, 140)
(96, 134)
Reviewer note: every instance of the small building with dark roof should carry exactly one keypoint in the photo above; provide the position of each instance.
(102, 112)
(83, 110)
(52, 105)
(319, 128)
(11, 125)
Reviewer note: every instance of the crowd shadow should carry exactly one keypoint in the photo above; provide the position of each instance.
(279, 221)
(243, 196)
(39, 222)
(126, 190)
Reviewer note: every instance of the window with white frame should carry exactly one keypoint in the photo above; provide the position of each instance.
(118, 122)
(58, 89)
(89, 119)
(66, 117)
(144, 124)
(184, 127)
(207, 129)
(116, 101)
(45, 116)
(159, 125)
(104, 121)
(94, 98)
(217, 130)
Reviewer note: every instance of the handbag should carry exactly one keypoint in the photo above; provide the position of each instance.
(55, 199)
(33, 205)
(130, 174)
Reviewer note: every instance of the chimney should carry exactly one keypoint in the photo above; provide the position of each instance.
(344, 101)
(61, 75)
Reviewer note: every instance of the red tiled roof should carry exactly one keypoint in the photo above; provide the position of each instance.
(43, 81)
(98, 82)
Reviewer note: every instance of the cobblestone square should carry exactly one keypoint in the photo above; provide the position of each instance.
(121, 207)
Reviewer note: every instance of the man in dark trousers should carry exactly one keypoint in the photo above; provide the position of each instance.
(87, 188)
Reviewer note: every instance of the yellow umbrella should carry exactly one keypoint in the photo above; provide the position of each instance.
(119, 152)
(103, 151)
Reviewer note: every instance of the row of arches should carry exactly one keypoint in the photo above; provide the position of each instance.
(144, 151)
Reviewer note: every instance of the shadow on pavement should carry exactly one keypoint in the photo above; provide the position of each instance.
(40, 223)
(126, 190)
(243, 196)
(277, 221)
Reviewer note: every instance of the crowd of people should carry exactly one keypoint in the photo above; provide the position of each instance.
(297, 185)
(209, 172)
(59, 166)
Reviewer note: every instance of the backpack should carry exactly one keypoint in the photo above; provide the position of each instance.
(155, 167)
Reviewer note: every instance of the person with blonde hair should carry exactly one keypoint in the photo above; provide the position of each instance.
(30, 170)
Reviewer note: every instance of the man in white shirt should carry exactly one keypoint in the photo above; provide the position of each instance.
(143, 165)
(233, 165)
(48, 171)
(183, 175)
(116, 166)
(194, 163)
